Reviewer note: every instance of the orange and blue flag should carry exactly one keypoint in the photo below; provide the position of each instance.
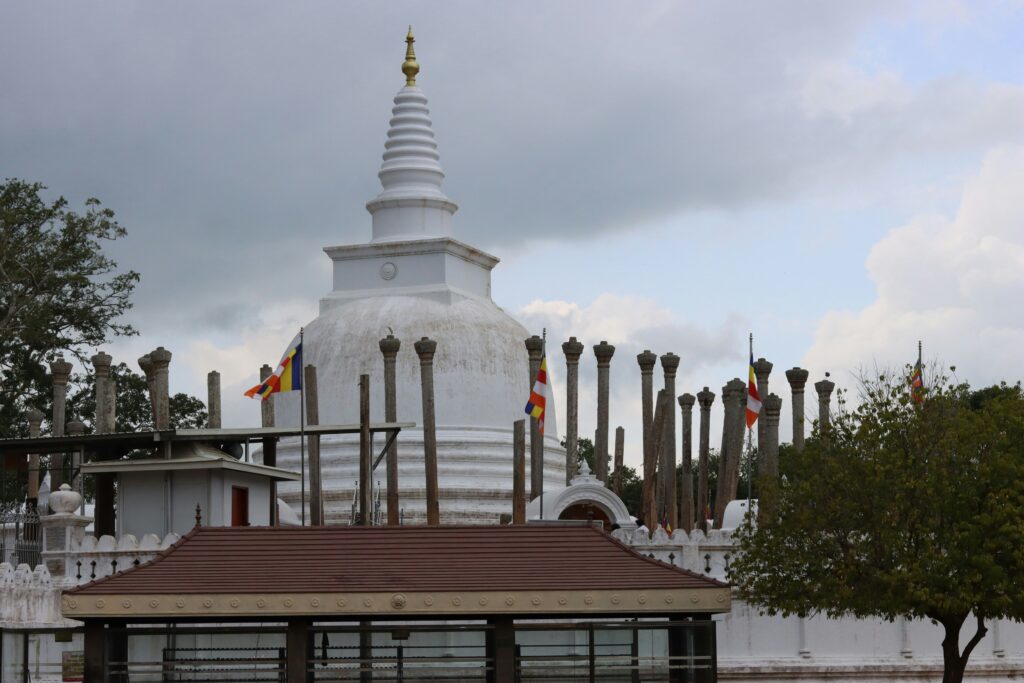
(535, 406)
(917, 379)
(287, 376)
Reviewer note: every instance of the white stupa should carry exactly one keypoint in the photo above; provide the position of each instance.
(415, 279)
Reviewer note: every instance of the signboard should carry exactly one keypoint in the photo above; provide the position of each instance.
(73, 667)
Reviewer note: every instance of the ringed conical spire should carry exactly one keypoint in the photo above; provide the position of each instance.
(411, 205)
(410, 67)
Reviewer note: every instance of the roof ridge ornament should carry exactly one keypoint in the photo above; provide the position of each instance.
(410, 67)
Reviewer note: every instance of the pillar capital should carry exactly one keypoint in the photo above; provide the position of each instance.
(762, 369)
(797, 379)
(389, 346)
(604, 352)
(425, 349)
(160, 357)
(734, 389)
(35, 419)
(75, 428)
(101, 361)
(686, 402)
(535, 347)
(670, 363)
(60, 369)
(705, 398)
(572, 349)
(146, 365)
(647, 360)
(824, 389)
(772, 408)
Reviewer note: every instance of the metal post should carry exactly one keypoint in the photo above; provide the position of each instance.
(365, 456)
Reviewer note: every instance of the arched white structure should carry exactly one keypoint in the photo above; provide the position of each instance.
(586, 489)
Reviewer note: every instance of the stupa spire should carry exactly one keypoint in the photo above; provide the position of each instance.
(411, 205)
(410, 67)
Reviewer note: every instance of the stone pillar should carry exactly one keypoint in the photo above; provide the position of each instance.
(729, 459)
(604, 352)
(704, 399)
(365, 454)
(62, 530)
(269, 443)
(670, 495)
(213, 400)
(572, 350)
(762, 369)
(316, 488)
(620, 449)
(161, 359)
(519, 472)
(686, 515)
(146, 365)
(797, 379)
(35, 422)
(535, 350)
(389, 347)
(769, 462)
(101, 362)
(425, 349)
(824, 389)
(650, 511)
(60, 371)
(647, 361)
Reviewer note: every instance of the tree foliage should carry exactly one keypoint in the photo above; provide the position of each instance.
(58, 291)
(900, 509)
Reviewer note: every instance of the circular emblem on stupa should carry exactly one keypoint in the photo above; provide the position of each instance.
(388, 271)
(340, 602)
(315, 602)
(398, 601)
(288, 602)
(101, 603)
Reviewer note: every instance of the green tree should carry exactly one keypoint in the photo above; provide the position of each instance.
(901, 509)
(58, 291)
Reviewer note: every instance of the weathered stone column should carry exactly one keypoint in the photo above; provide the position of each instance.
(535, 350)
(762, 369)
(161, 359)
(769, 463)
(316, 488)
(649, 506)
(389, 347)
(670, 496)
(732, 449)
(519, 472)
(101, 362)
(425, 349)
(572, 350)
(824, 389)
(213, 400)
(146, 365)
(365, 455)
(60, 371)
(620, 449)
(604, 352)
(797, 379)
(647, 361)
(686, 515)
(704, 399)
(35, 422)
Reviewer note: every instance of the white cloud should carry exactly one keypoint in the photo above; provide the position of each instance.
(955, 283)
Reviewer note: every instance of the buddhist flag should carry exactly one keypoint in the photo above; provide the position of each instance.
(535, 406)
(753, 398)
(917, 379)
(287, 377)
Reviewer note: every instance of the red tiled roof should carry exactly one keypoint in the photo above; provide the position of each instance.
(212, 560)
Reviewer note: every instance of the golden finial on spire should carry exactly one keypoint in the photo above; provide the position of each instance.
(410, 67)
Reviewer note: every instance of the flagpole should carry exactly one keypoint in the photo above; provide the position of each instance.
(543, 358)
(302, 424)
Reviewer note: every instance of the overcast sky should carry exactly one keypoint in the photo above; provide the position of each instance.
(841, 179)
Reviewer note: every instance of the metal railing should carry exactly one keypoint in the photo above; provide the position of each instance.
(21, 538)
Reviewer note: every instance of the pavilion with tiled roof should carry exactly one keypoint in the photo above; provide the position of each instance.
(308, 577)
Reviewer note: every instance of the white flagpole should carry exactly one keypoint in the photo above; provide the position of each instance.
(302, 422)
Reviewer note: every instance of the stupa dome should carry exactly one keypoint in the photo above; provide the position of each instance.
(414, 280)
